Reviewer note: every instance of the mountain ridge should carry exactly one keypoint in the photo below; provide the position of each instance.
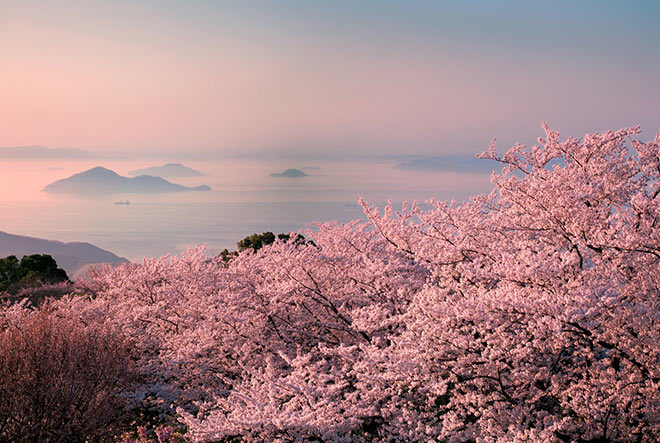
(70, 256)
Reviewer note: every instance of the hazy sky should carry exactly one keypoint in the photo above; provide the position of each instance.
(368, 77)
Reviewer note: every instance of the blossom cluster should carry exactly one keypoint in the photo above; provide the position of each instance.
(529, 314)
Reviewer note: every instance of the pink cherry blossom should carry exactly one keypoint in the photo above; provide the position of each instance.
(528, 314)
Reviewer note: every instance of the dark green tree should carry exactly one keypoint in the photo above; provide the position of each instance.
(258, 241)
(31, 270)
(9, 271)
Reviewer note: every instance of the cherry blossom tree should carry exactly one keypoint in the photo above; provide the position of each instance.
(541, 318)
(528, 314)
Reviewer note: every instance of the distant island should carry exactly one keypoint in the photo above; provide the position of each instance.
(289, 173)
(447, 163)
(100, 180)
(72, 257)
(169, 170)
(40, 152)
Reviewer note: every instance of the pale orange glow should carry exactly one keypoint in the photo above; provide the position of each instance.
(121, 78)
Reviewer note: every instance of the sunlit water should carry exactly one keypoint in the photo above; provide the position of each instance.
(244, 200)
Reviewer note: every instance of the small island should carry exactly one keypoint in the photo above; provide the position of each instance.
(289, 173)
(99, 180)
(169, 170)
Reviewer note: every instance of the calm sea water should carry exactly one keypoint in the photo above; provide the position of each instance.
(244, 200)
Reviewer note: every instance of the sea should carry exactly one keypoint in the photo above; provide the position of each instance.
(245, 199)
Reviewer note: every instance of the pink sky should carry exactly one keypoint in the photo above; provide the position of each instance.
(153, 77)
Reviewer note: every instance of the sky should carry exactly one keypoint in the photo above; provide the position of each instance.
(307, 77)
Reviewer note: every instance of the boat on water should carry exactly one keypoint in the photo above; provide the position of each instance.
(125, 202)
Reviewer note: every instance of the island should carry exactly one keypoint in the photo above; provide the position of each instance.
(289, 173)
(169, 170)
(40, 152)
(99, 180)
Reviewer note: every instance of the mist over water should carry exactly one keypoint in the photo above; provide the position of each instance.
(245, 199)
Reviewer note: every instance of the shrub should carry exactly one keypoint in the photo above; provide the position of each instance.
(38, 294)
(60, 380)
